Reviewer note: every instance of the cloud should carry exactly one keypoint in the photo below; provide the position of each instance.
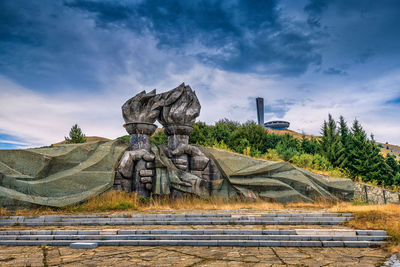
(66, 62)
(367, 102)
(39, 119)
(314, 9)
(334, 71)
(238, 36)
(50, 47)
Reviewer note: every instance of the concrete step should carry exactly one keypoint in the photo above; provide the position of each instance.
(180, 219)
(239, 243)
(195, 237)
(178, 215)
(200, 237)
(336, 232)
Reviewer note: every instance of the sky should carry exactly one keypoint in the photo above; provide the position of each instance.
(77, 61)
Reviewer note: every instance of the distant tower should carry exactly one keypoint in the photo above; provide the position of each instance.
(260, 110)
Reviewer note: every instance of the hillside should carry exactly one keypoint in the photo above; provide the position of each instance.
(388, 148)
(88, 139)
(385, 148)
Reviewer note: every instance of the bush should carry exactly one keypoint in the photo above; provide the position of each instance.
(321, 163)
(272, 154)
(396, 179)
(159, 138)
(125, 138)
(286, 152)
(302, 160)
(221, 145)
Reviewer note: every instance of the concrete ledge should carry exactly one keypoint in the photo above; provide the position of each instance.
(83, 245)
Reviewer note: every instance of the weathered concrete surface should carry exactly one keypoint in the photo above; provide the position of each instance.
(69, 174)
(191, 256)
(57, 176)
(277, 181)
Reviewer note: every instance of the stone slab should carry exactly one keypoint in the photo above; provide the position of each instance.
(82, 245)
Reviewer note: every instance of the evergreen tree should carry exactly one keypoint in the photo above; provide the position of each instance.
(366, 160)
(309, 146)
(393, 168)
(344, 134)
(331, 145)
(75, 135)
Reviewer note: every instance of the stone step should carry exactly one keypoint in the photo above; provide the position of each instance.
(178, 223)
(206, 221)
(180, 219)
(195, 237)
(201, 215)
(333, 232)
(239, 243)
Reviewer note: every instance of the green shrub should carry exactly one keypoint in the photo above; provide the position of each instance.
(302, 160)
(159, 138)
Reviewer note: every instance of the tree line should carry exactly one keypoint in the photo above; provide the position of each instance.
(341, 150)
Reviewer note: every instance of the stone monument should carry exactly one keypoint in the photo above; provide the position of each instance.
(180, 168)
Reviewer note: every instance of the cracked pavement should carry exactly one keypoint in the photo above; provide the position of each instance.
(191, 256)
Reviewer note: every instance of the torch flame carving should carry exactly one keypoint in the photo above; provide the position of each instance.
(180, 107)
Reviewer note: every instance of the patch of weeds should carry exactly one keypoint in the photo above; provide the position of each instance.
(143, 200)
(358, 202)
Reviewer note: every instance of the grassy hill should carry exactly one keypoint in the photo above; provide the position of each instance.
(88, 139)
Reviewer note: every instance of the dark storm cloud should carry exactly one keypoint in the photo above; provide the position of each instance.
(315, 9)
(39, 39)
(239, 36)
(55, 44)
(48, 46)
(357, 30)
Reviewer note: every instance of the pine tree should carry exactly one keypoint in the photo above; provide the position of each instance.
(75, 135)
(344, 134)
(331, 145)
(309, 146)
(365, 158)
(393, 168)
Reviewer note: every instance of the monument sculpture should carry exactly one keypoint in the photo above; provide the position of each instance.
(176, 110)
(68, 174)
(180, 168)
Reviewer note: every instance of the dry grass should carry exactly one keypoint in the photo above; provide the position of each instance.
(292, 133)
(88, 139)
(375, 217)
(114, 201)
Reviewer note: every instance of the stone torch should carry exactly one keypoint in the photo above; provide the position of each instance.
(179, 112)
(140, 112)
